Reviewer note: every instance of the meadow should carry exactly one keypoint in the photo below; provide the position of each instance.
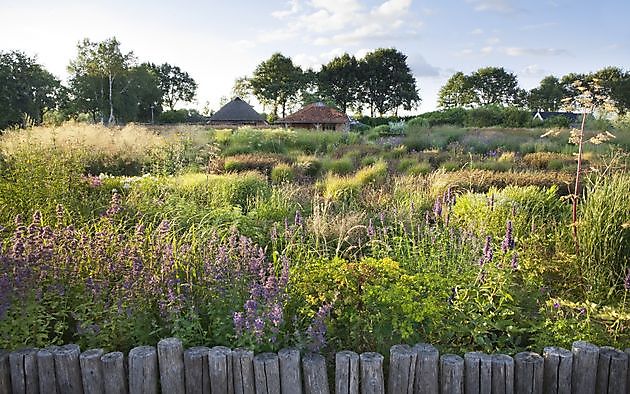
(268, 238)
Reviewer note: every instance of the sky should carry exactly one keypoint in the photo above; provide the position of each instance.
(219, 41)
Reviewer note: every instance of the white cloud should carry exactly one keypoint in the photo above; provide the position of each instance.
(533, 70)
(519, 51)
(492, 5)
(348, 22)
(477, 31)
(294, 8)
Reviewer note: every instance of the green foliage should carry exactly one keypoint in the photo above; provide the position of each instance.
(176, 85)
(604, 232)
(339, 80)
(387, 83)
(26, 88)
(276, 81)
(282, 173)
(341, 166)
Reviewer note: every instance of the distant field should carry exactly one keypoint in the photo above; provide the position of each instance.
(264, 238)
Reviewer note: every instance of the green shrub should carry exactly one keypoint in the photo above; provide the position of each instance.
(253, 162)
(282, 173)
(383, 129)
(341, 166)
(338, 188)
(404, 164)
(309, 166)
(485, 116)
(421, 168)
(373, 174)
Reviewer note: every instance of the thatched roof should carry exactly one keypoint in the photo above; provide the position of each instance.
(237, 111)
(316, 113)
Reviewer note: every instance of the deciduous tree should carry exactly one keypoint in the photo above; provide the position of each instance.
(457, 92)
(339, 81)
(548, 95)
(97, 75)
(386, 81)
(494, 85)
(277, 81)
(26, 88)
(176, 85)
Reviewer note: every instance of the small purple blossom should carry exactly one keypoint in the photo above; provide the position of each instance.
(508, 239)
(487, 252)
(514, 261)
(626, 283)
(371, 232)
(437, 208)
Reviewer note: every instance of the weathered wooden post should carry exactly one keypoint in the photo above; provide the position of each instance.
(92, 371)
(143, 370)
(427, 369)
(557, 373)
(196, 369)
(290, 371)
(171, 362)
(68, 369)
(346, 372)
(477, 373)
(314, 371)
(220, 369)
(267, 373)
(528, 373)
(402, 369)
(243, 367)
(46, 370)
(451, 374)
(502, 374)
(24, 376)
(114, 381)
(612, 371)
(584, 369)
(5, 372)
(372, 381)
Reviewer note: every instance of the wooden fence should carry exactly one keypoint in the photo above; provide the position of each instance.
(220, 370)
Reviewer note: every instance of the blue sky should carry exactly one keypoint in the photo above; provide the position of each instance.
(218, 41)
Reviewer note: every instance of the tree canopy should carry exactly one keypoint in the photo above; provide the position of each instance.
(26, 89)
(276, 82)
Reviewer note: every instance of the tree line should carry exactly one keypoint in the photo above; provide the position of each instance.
(106, 84)
(496, 86)
(380, 82)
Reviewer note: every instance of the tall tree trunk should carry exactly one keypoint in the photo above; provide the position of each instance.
(111, 119)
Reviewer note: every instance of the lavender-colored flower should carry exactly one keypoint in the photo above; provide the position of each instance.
(298, 219)
(239, 322)
(487, 252)
(556, 305)
(259, 328)
(274, 233)
(114, 205)
(371, 232)
(508, 239)
(437, 208)
(317, 330)
(626, 283)
(164, 227)
(514, 261)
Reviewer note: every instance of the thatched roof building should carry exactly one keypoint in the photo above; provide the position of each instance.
(317, 116)
(237, 112)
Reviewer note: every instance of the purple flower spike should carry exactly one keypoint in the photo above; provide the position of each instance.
(508, 240)
(626, 283)
(514, 262)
